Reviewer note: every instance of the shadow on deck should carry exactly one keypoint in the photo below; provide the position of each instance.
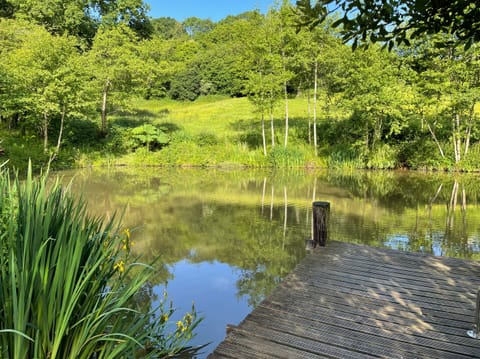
(353, 301)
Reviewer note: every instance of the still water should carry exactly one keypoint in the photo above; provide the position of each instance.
(226, 238)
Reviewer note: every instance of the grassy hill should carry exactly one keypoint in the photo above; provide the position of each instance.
(212, 131)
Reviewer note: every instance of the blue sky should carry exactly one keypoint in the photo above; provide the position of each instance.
(204, 9)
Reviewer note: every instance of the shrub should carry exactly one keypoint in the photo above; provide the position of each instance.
(80, 132)
(206, 139)
(147, 136)
(68, 287)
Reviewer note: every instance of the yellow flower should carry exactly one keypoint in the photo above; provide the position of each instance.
(120, 266)
(188, 319)
(126, 231)
(181, 327)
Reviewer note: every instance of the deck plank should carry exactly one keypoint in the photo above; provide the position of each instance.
(354, 301)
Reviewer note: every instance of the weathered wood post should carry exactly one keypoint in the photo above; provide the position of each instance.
(321, 211)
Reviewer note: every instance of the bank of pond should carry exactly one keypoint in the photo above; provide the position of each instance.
(223, 239)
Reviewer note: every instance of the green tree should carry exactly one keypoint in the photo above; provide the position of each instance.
(395, 21)
(160, 63)
(265, 80)
(220, 58)
(47, 78)
(81, 18)
(194, 26)
(115, 67)
(167, 28)
(288, 47)
(378, 98)
(448, 85)
(321, 65)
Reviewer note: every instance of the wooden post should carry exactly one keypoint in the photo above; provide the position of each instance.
(321, 211)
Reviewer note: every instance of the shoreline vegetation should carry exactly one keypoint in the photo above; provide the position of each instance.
(69, 286)
(212, 131)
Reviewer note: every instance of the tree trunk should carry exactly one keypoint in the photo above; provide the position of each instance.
(467, 140)
(315, 89)
(435, 139)
(272, 127)
(264, 139)
(104, 107)
(45, 132)
(456, 137)
(309, 119)
(60, 132)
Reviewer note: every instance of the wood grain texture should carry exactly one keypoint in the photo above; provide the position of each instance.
(353, 301)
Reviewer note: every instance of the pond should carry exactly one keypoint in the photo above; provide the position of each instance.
(226, 238)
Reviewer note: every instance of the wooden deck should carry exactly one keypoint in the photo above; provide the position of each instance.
(352, 301)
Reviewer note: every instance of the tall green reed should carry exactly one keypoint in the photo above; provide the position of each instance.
(68, 285)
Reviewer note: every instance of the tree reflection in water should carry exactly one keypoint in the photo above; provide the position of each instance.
(248, 228)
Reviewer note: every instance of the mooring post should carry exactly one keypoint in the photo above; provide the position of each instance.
(321, 211)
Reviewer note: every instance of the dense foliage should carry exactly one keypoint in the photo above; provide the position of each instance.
(416, 106)
(396, 21)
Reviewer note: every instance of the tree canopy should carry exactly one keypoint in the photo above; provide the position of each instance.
(396, 21)
(79, 18)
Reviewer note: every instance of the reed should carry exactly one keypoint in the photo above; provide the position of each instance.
(68, 285)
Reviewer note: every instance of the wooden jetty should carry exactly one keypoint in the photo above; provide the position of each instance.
(353, 301)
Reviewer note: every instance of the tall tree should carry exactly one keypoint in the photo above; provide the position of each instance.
(81, 18)
(47, 78)
(264, 79)
(288, 49)
(378, 96)
(115, 66)
(448, 85)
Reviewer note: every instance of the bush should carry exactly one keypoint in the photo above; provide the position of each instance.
(206, 139)
(81, 132)
(147, 136)
(68, 287)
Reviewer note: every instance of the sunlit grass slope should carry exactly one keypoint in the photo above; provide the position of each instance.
(214, 131)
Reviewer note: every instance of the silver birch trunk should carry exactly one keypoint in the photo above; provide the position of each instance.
(104, 106)
(309, 118)
(264, 139)
(435, 139)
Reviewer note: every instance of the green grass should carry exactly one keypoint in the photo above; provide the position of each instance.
(213, 131)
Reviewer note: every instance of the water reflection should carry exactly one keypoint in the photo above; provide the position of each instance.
(226, 238)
